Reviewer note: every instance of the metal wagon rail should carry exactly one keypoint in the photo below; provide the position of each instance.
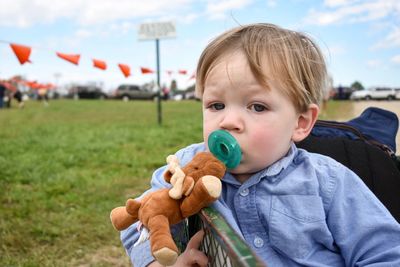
(221, 244)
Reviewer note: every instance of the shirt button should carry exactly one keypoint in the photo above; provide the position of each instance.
(244, 192)
(258, 242)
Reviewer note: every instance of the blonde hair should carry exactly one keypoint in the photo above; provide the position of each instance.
(293, 60)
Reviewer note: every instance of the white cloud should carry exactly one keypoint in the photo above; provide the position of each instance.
(188, 18)
(271, 3)
(119, 28)
(343, 11)
(217, 10)
(336, 50)
(380, 12)
(83, 33)
(396, 59)
(26, 13)
(374, 63)
(336, 3)
(391, 40)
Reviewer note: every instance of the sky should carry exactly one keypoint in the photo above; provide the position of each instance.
(359, 38)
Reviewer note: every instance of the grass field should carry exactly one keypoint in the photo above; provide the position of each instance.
(65, 166)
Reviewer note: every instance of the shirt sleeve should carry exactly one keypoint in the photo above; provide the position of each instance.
(362, 227)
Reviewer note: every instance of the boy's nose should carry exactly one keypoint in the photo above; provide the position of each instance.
(231, 122)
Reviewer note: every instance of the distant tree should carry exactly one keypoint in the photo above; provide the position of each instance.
(357, 85)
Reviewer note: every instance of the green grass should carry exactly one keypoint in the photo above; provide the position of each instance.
(65, 166)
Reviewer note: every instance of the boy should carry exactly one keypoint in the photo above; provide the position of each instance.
(262, 84)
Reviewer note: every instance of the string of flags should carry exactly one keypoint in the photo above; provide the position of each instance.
(11, 84)
(23, 52)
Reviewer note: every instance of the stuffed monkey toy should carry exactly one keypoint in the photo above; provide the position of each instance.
(195, 186)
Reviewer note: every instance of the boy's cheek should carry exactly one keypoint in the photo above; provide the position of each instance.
(208, 126)
(263, 142)
(262, 138)
(206, 132)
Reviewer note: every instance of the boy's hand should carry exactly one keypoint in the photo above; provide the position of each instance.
(192, 256)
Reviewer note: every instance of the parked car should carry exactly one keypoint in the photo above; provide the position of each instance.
(87, 92)
(342, 93)
(397, 90)
(374, 93)
(131, 91)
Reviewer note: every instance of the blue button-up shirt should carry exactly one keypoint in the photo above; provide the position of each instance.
(304, 210)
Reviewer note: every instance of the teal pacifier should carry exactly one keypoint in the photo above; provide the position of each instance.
(225, 147)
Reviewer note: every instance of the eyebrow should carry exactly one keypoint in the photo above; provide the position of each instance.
(213, 91)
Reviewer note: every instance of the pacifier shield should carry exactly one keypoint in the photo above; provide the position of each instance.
(225, 147)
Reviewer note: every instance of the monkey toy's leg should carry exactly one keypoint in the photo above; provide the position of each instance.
(121, 219)
(124, 216)
(162, 245)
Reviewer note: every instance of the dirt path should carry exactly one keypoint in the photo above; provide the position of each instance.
(394, 106)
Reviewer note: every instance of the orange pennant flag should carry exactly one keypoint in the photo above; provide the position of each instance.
(126, 70)
(99, 64)
(74, 59)
(33, 84)
(22, 52)
(183, 72)
(146, 70)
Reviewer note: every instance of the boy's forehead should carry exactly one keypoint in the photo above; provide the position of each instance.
(231, 66)
(234, 61)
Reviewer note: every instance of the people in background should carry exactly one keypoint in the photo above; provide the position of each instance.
(2, 93)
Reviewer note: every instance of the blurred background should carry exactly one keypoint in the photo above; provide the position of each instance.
(360, 39)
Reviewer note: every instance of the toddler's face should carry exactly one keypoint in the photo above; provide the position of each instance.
(261, 120)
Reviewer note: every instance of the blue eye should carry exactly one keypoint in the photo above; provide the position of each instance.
(258, 108)
(217, 106)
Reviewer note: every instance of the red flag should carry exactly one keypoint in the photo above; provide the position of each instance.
(99, 64)
(169, 72)
(184, 72)
(33, 84)
(146, 70)
(9, 86)
(126, 70)
(74, 59)
(27, 83)
(22, 52)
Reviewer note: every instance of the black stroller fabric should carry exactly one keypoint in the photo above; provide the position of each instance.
(374, 125)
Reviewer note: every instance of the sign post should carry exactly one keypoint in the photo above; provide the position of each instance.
(156, 31)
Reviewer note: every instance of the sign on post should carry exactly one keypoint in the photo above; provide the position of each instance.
(156, 31)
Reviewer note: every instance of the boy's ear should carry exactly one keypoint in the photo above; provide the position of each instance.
(305, 123)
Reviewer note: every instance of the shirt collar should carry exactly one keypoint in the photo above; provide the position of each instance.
(281, 164)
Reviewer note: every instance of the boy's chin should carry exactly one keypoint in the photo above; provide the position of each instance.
(241, 171)
(238, 170)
